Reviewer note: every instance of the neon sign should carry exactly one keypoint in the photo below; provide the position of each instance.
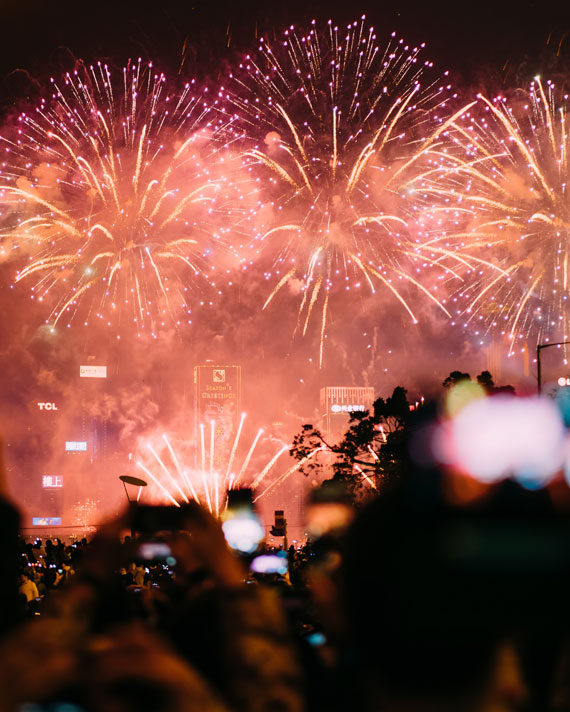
(47, 406)
(52, 481)
(347, 408)
(75, 446)
(46, 521)
(93, 371)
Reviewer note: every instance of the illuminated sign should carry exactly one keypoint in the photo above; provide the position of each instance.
(563, 382)
(52, 481)
(93, 371)
(218, 396)
(336, 408)
(338, 402)
(47, 406)
(75, 446)
(46, 521)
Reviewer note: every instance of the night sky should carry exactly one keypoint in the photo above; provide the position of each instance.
(468, 38)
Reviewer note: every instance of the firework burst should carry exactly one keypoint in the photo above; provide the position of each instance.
(336, 127)
(189, 470)
(115, 190)
(503, 187)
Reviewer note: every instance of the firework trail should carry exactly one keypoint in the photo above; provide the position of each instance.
(115, 190)
(177, 483)
(503, 187)
(335, 128)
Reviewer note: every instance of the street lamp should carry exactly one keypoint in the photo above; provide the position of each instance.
(538, 363)
(136, 482)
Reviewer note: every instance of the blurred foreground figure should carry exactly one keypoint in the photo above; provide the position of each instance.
(458, 607)
(10, 608)
(99, 650)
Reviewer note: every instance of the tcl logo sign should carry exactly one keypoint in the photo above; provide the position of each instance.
(47, 406)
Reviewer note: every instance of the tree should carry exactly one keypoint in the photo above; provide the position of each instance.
(454, 378)
(484, 379)
(371, 451)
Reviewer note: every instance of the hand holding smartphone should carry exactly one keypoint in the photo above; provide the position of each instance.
(240, 524)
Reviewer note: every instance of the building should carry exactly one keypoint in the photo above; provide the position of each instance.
(218, 406)
(338, 402)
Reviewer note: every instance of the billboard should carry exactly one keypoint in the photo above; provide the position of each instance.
(218, 399)
(50, 481)
(46, 521)
(75, 446)
(93, 371)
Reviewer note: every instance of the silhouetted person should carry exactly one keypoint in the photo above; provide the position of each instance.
(444, 602)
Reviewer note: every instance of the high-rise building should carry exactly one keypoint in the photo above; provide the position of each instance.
(218, 405)
(338, 402)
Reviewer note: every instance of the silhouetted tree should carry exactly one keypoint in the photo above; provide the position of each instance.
(484, 379)
(371, 452)
(454, 378)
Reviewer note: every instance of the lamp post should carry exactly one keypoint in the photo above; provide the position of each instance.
(539, 348)
(137, 482)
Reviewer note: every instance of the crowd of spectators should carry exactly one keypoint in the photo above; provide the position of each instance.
(45, 566)
(424, 602)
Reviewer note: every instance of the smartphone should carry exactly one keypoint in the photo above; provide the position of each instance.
(155, 551)
(270, 564)
(240, 524)
(148, 519)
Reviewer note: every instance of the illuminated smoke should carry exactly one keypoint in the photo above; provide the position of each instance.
(335, 127)
(180, 474)
(502, 192)
(117, 197)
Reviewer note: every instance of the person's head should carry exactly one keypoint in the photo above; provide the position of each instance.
(432, 590)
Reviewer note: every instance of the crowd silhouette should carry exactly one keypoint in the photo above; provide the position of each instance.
(437, 594)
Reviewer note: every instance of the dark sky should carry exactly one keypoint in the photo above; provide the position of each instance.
(44, 37)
